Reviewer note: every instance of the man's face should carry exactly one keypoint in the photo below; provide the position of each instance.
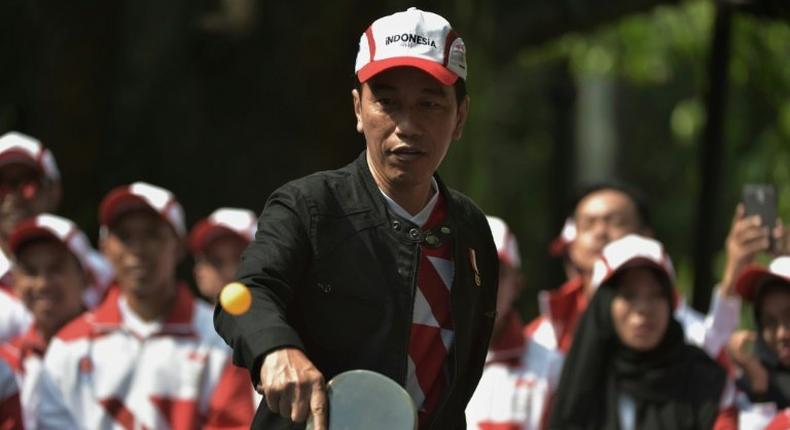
(144, 250)
(50, 282)
(217, 267)
(640, 310)
(601, 217)
(23, 194)
(408, 119)
(775, 324)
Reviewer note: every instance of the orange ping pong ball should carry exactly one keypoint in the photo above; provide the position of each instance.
(235, 298)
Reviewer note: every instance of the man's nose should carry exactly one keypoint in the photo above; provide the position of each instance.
(406, 122)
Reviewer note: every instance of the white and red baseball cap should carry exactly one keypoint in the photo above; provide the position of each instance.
(62, 230)
(241, 223)
(18, 148)
(141, 195)
(505, 241)
(755, 276)
(628, 252)
(412, 38)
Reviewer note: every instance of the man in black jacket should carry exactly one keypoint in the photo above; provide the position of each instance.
(376, 265)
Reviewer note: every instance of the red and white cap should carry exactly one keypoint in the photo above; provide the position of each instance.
(559, 246)
(141, 195)
(628, 252)
(241, 223)
(62, 230)
(755, 276)
(505, 241)
(413, 38)
(18, 148)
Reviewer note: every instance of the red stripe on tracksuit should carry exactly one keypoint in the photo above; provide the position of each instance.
(231, 405)
(120, 413)
(10, 413)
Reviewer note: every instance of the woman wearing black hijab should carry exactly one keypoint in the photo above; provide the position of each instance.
(764, 387)
(629, 366)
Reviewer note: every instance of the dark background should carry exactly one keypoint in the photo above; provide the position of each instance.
(223, 101)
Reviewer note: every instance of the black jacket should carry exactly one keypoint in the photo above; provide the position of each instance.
(333, 272)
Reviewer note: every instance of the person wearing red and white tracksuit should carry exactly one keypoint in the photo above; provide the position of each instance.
(147, 356)
(516, 379)
(602, 214)
(29, 185)
(56, 273)
(217, 242)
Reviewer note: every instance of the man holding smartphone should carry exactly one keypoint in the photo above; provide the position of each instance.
(755, 228)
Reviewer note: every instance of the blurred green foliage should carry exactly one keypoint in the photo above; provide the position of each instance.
(658, 63)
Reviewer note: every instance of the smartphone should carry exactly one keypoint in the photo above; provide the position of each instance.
(760, 199)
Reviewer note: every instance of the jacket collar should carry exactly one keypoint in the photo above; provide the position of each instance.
(32, 343)
(178, 321)
(370, 186)
(563, 308)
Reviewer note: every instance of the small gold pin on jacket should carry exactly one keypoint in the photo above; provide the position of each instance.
(473, 263)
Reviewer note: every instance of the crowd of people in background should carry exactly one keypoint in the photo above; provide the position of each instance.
(96, 338)
(111, 338)
(616, 346)
(377, 265)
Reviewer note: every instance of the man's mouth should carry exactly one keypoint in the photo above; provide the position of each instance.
(407, 152)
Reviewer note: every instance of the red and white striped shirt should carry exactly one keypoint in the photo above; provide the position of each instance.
(432, 326)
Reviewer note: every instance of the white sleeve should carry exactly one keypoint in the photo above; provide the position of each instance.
(722, 320)
(60, 373)
(51, 411)
(710, 332)
(8, 385)
(14, 317)
(754, 416)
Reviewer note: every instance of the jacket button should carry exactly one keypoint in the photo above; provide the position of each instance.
(445, 229)
(325, 288)
(403, 271)
(414, 233)
(396, 225)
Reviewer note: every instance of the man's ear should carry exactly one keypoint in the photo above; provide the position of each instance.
(460, 119)
(357, 99)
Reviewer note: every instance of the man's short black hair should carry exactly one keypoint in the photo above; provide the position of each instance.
(768, 287)
(459, 86)
(633, 194)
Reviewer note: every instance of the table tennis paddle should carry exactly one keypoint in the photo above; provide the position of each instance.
(362, 399)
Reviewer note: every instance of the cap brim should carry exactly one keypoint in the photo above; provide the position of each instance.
(121, 203)
(751, 279)
(28, 232)
(439, 72)
(19, 157)
(648, 263)
(206, 232)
